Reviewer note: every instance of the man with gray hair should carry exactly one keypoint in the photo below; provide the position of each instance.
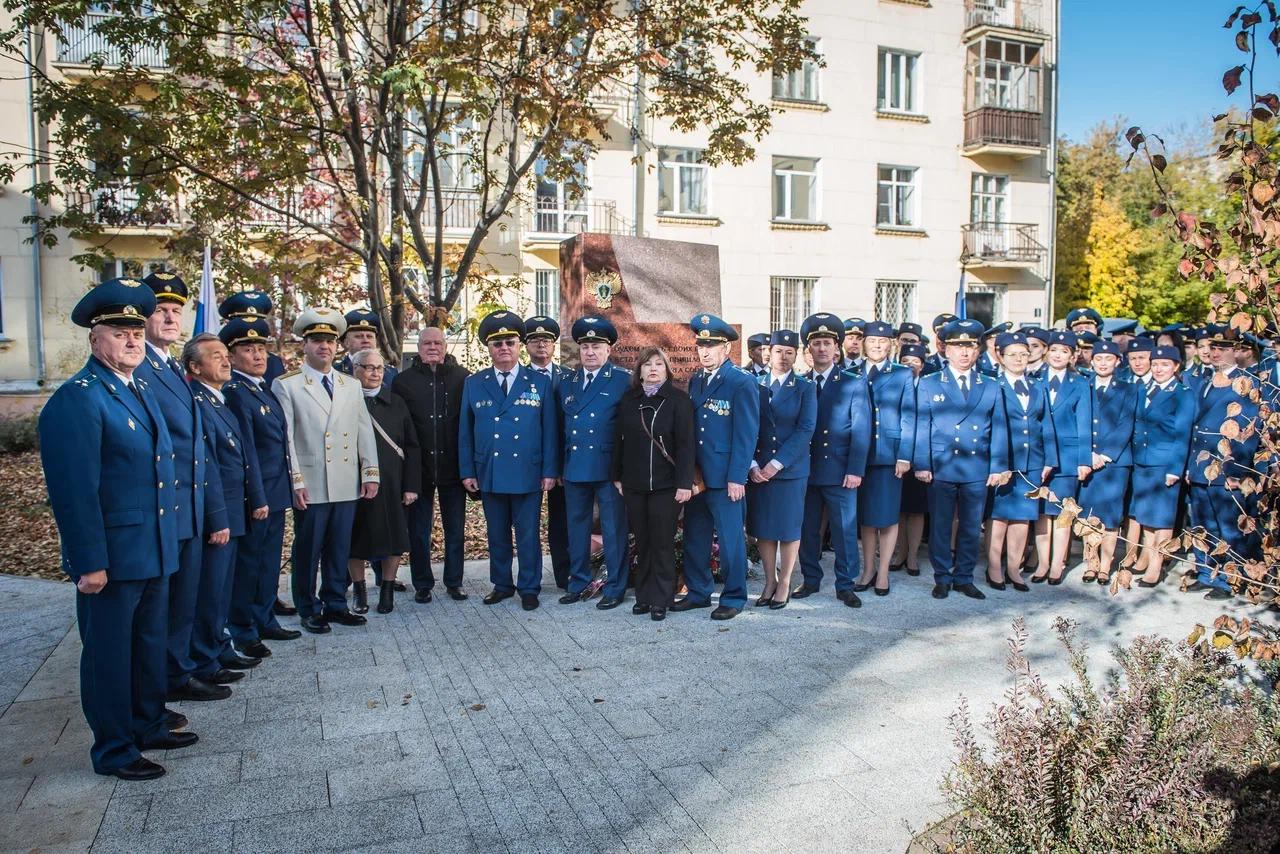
(207, 362)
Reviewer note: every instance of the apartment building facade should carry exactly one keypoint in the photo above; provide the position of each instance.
(917, 152)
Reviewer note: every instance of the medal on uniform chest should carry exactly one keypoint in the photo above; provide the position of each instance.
(132, 426)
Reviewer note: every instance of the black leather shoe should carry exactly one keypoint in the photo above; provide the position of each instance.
(763, 601)
(1054, 582)
(657, 614)
(913, 572)
(345, 618)
(1019, 586)
(1197, 586)
(174, 720)
(141, 768)
(803, 591)
(608, 603)
(279, 633)
(1219, 593)
(724, 612)
(199, 690)
(1037, 579)
(849, 598)
(570, 598)
(970, 591)
(456, 594)
(941, 591)
(282, 610)
(258, 649)
(170, 741)
(995, 585)
(360, 595)
(1142, 582)
(224, 676)
(316, 625)
(777, 604)
(422, 596)
(882, 591)
(896, 567)
(399, 587)
(861, 588)
(386, 598)
(239, 662)
(639, 608)
(528, 601)
(687, 604)
(496, 596)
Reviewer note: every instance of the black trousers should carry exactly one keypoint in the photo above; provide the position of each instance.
(558, 536)
(453, 512)
(651, 517)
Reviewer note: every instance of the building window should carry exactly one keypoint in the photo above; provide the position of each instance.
(1005, 74)
(790, 300)
(684, 182)
(800, 84)
(795, 189)
(898, 87)
(120, 268)
(988, 198)
(896, 202)
(546, 297)
(895, 301)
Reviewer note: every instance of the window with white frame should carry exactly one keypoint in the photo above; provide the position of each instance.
(795, 189)
(790, 300)
(800, 84)
(895, 301)
(119, 268)
(546, 295)
(988, 199)
(897, 199)
(453, 150)
(684, 182)
(898, 85)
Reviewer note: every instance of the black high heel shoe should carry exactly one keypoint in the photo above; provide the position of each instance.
(994, 585)
(763, 601)
(775, 605)
(882, 591)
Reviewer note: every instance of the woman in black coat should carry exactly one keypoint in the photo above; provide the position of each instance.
(653, 469)
(380, 530)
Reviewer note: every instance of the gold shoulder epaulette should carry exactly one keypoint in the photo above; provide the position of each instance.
(292, 373)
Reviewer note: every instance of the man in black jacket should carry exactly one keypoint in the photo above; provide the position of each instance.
(433, 390)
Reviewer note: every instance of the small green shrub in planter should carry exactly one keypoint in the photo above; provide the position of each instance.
(1178, 751)
(18, 435)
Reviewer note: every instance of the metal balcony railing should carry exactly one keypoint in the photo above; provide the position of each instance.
(316, 207)
(1010, 14)
(995, 126)
(81, 43)
(551, 216)
(1003, 242)
(122, 207)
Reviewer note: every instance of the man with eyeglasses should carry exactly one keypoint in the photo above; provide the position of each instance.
(508, 452)
(363, 327)
(540, 336)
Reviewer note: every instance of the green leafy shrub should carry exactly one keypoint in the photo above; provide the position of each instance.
(18, 435)
(1177, 751)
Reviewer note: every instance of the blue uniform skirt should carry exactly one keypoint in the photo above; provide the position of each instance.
(915, 495)
(1011, 504)
(880, 497)
(1102, 495)
(775, 509)
(1064, 486)
(1153, 504)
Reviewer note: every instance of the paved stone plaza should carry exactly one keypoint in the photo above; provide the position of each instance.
(456, 727)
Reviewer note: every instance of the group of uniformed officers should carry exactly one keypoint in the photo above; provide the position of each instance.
(169, 477)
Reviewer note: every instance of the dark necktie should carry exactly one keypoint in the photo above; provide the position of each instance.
(173, 366)
(873, 373)
(1020, 387)
(1102, 390)
(820, 378)
(586, 381)
(138, 394)
(1055, 384)
(503, 382)
(1151, 392)
(964, 385)
(328, 385)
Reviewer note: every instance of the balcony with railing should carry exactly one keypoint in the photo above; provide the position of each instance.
(1002, 244)
(1022, 15)
(556, 219)
(1003, 109)
(82, 42)
(122, 207)
(310, 206)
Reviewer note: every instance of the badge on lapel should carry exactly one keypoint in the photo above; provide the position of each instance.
(132, 426)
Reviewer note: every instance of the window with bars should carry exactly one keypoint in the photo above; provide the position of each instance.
(795, 189)
(895, 301)
(546, 295)
(898, 86)
(800, 84)
(684, 182)
(790, 300)
(988, 198)
(896, 197)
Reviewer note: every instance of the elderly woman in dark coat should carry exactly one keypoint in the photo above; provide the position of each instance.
(380, 531)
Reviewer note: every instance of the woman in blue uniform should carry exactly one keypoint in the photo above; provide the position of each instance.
(1033, 447)
(1102, 495)
(780, 471)
(893, 405)
(1161, 445)
(1070, 407)
(915, 495)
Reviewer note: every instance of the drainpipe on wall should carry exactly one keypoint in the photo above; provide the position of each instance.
(1052, 170)
(37, 271)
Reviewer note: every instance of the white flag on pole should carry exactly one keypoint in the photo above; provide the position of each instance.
(207, 319)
